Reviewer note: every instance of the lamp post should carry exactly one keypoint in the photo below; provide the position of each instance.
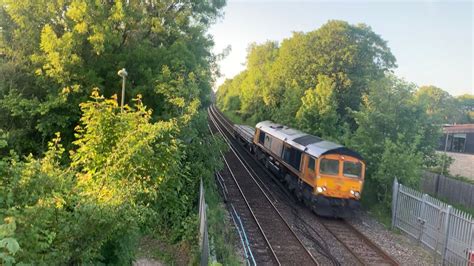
(123, 73)
(445, 154)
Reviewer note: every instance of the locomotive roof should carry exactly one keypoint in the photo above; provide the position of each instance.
(310, 144)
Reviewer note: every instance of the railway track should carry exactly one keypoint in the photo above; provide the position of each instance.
(362, 249)
(272, 240)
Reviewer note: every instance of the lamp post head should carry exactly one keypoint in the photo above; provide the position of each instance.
(122, 72)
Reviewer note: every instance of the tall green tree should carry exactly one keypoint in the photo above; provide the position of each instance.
(56, 51)
(318, 112)
(351, 55)
(466, 104)
(256, 85)
(395, 136)
(439, 105)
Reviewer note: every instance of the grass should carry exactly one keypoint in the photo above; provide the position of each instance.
(151, 247)
(374, 207)
(381, 213)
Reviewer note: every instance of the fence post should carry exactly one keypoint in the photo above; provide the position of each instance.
(446, 232)
(421, 219)
(438, 176)
(471, 250)
(394, 202)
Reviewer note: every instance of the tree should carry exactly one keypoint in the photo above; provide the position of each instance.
(254, 88)
(351, 55)
(88, 193)
(318, 112)
(127, 175)
(56, 51)
(439, 105)
(394, 135)
(466, 104)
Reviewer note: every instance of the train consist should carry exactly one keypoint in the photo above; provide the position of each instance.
(326, 176)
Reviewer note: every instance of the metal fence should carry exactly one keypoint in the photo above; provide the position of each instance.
(445, 230)
(453, 190)
(203, 234)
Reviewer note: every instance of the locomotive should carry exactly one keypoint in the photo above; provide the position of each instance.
(326, 176)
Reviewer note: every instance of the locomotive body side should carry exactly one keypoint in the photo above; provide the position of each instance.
(327, 176)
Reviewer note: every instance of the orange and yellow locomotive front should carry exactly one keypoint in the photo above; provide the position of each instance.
(337, 180)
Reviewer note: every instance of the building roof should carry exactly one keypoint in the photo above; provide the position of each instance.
(310, 144)
(462, 128)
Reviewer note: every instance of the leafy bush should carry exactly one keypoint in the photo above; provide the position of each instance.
(127, 175)
(8, 245)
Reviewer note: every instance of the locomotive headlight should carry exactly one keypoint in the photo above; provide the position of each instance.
(320, 189)
(355, 193)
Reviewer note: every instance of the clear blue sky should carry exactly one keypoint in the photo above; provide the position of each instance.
(432, 41)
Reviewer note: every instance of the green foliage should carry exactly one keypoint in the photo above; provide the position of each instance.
(127, 175)
(394, 135)
(114, 175)
(318, 113)
(281, 81)
(438, 104)
(466, 103)
(56, 52)
(439, 163)
(397, 161)
(8, 245)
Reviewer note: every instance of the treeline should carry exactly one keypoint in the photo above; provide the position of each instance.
(80, 180)
(337, 82)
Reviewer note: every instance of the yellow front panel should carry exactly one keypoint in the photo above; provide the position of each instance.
(337, 185)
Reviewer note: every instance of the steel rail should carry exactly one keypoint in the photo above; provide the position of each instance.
(245, 200)
(336, 228)
(269, 194)
(226, 138)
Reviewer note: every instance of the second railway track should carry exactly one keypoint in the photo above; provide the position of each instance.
(276, 242)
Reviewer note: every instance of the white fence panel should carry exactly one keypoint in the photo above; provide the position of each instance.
(447, 231)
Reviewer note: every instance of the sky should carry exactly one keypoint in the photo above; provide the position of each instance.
(433, 42)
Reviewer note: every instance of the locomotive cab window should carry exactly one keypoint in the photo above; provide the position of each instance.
(311, 164)
(261, 137)
(352, 169)
(328, 166)
(292, 157)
